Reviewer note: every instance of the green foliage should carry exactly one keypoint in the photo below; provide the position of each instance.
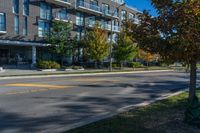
(116, 65)
(95, 44)
(60, 38)
(48, 65)
(135, 64)
(125, 48)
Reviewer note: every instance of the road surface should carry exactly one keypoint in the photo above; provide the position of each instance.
(55, 104)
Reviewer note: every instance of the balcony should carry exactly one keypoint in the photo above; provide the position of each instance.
(90, 23)
(86, 7)
(62, 3)
(116, 29)
(108, 27)
(61, 17)
(109, 14)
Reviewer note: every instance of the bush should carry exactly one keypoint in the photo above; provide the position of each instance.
(48, 65)
(135, 64)
(77, 67)
(115, 65)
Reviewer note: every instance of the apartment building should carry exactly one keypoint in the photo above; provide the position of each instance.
(23, 24)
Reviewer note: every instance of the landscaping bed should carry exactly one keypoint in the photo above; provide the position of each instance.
(164, 116)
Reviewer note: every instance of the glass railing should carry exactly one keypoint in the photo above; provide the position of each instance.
(116, 28)
(89, 6)
(109, 12)
(91, 23)
(61, 16)
(108, 27)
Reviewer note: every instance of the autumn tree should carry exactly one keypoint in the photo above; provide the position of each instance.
(124, 49)
(60, 39)
(175, 35)
(96, 46)
(147, 56)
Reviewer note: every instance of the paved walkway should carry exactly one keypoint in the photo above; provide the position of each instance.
(21, 72)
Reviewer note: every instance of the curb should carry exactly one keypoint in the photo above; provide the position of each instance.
(83, 74)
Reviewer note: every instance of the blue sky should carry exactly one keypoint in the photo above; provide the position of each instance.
(141, 5)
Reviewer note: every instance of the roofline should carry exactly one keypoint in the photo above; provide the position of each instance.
(133, 8)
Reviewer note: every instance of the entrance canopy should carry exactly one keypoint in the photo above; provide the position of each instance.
(21, 43)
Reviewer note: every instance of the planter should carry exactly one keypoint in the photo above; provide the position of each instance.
(48, 70)
(81, 69)
(68, 69)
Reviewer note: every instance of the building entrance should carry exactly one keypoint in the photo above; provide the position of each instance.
(4, 54)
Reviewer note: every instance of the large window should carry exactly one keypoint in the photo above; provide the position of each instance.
(79, 18)
(16, 24)
(123, 15)
(45, 11)
(2, 22)
(15, 6)
(26, 7)
(25, 32)
(43, 28)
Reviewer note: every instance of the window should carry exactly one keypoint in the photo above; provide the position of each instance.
(45, 11)
(131, 16)
(62, 14)
(123, 15)
(16, 24)
(15, 6)
(25, 32)
(79, 18)
(26, 7)
(105, 8)
(43, 28)
(2, 22)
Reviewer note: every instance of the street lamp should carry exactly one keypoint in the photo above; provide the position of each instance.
(111, 36)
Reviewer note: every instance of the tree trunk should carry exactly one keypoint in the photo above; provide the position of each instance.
(193, 78)
(95, 64)
(121, 65)
(192, 114)
(62, 60)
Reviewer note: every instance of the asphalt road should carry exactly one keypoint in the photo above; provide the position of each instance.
(54, 104)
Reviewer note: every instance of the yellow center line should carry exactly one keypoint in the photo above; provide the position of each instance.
(35, 85)
(43, 87)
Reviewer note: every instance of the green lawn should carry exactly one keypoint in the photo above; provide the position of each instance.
(165, 116)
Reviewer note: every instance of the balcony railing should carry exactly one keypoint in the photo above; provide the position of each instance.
(56, 2)
(109, 13)
(89, 6)
(91, 23)
(116, 28)
(62, 17)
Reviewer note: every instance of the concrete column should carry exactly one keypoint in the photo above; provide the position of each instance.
(33, 56)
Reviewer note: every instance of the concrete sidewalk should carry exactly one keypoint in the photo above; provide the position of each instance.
(16, 73)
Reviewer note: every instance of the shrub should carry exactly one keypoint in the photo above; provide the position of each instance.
(48, 65)
(77, 67)
(115, 65)
(135, 64)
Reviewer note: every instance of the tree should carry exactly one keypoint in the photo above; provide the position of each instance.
(147, 56)
(60, 39)
(125, 49)
(96, 46)
(175, 35)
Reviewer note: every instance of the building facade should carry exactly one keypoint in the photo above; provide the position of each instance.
(23, 24)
